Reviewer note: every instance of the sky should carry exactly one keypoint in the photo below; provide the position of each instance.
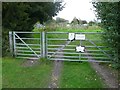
(80, 9)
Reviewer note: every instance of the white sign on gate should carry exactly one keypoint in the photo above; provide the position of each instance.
(80, 37)
(80, 49)
(71, 36)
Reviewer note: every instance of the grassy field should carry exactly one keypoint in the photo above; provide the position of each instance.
(17, 76)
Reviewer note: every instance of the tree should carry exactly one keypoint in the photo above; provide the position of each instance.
(21, 16)
(91, 23)
(84, 22)
(108, 13)
(75, 21)
(61, 20)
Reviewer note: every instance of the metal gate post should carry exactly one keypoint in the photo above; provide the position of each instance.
(14, 44)
(80, 53)
(43, 42)
(46, 45)
(11, 42)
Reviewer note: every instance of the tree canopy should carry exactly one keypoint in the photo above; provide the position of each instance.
(61, 20)
(75, 21)
(23, 15)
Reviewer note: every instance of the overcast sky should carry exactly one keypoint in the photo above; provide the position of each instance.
(77, 8)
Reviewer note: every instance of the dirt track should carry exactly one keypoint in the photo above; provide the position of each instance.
(56, 73)
(108, 76)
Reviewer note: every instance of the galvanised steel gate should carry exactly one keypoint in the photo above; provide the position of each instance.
(79, 46)
(66, 46)
(27, 45)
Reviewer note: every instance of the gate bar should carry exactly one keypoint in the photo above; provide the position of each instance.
(75, 32)
(99, 48)
(78, 60)
(68, 42)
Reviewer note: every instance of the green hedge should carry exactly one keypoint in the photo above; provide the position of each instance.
(108, 13)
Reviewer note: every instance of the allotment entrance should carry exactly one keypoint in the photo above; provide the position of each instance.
(65, 46)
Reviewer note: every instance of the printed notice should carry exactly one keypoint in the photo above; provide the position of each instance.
(80, 37)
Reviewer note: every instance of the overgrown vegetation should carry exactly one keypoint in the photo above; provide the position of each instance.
(108, 13)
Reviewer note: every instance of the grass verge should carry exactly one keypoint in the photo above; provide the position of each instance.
(0, 73)
(17, 76)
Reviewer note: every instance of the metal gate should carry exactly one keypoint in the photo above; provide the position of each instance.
(80, 46)
(77, 46)
(27, 45)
